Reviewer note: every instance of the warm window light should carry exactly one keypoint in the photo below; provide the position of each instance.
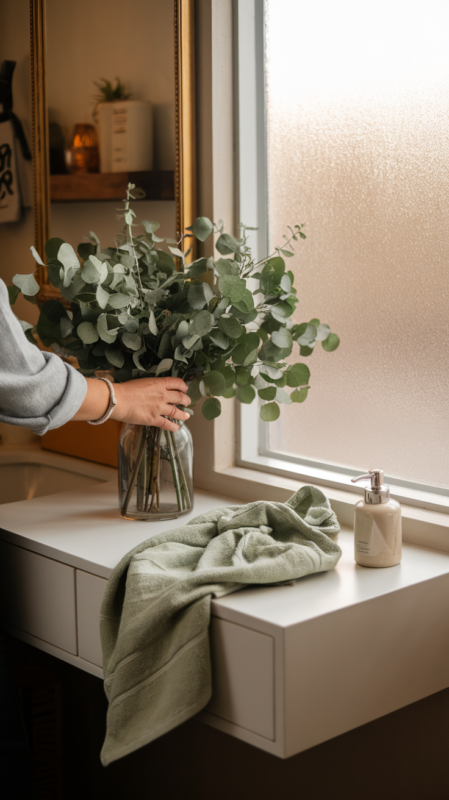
(357, 128)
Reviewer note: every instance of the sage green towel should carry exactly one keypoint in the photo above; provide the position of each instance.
(156, 609)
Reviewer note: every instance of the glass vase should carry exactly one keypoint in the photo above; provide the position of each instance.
(155, 472)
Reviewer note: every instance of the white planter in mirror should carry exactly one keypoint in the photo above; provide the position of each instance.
(125, 134)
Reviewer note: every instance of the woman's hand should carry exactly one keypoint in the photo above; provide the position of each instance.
(145, 401)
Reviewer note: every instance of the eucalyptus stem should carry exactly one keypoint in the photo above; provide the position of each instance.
(135, 471)
(184, 487)
(170, 441)
(155, 489)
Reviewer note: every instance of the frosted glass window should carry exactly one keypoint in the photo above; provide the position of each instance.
(358, 149)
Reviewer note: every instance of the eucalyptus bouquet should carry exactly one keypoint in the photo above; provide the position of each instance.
(222, 324)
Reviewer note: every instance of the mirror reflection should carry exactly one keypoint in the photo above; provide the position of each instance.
(111, 111)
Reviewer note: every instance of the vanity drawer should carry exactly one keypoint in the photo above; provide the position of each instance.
(37, 595)
(242, 677)
(89, 595)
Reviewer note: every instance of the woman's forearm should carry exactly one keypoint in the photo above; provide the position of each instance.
(95, 402)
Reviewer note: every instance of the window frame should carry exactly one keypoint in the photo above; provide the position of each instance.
(251, 179)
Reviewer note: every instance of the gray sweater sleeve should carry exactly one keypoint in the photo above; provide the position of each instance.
(37, 389)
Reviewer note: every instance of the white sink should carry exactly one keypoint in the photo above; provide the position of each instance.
(27, 472)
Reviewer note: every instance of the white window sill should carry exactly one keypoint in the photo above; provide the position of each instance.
(420, 526)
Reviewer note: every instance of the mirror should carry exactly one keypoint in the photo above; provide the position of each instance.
(94, 146)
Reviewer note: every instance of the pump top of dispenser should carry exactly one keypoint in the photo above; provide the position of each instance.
(378, 491)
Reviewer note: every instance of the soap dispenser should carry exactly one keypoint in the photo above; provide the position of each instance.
(377, 525)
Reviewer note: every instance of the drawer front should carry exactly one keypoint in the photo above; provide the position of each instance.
(37, 595)
(89, 596)
(242, 677)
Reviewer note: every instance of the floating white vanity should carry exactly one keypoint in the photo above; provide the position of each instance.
(293, 665)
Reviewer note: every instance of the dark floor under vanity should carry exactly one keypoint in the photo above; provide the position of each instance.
(401, 756)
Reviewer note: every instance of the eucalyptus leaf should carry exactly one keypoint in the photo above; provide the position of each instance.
(197, 268)
(70, 263)
(226, 244)
(306, 333)
(282, 338)
(281, 311)
(132, 340)
(36, 256)
(13, 293)
(299, 395)
(176, 252)
(218, 338)
(323, 332)
(106, 335)
(119, 300)
(189, 341)
(130, 324)
(211, 408)
(66, 326)
(331, 343)
(269, 352)
(271, 373)
(52, 248)
(244, 317)
(75, 287)
(271, 274)
(224, 266)
(270, 412)
(150, 227)
(136, 358)
(152, 324)
(245, 394)
(164, 345)
(228, 393)
(180, 355)
(193, 391)
(245, 303)
(202, 228)
(286, 283)
(221, 307)
(199, 295)
(115, 356)
(202, 323)
(102, 296)
(86, 249)
(230, 326)
(182, 331)
(282, 397)
(94, 271)
(298, 375)
(27, 284)
(164, 366)
(267, 394)
(242, 376)
(232, 286)
(87, 333)
(215, 382)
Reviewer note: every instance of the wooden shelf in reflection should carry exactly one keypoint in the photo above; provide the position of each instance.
(111, 186)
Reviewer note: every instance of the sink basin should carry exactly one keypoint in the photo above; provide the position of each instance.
(31, 472)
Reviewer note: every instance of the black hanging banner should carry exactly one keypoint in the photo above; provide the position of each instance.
(11, 132)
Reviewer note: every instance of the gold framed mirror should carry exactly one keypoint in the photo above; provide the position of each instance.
(184, 134)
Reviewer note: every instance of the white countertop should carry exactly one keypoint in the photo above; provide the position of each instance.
(273, 648)
(84, 529)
